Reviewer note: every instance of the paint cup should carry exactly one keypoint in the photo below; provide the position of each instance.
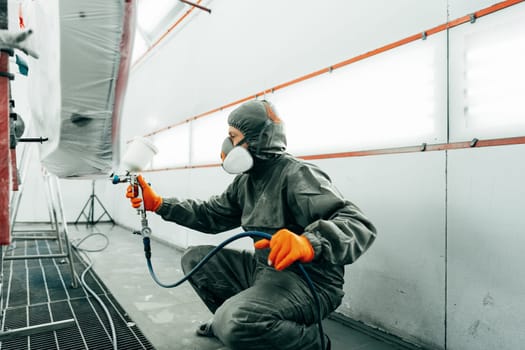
(139, 154)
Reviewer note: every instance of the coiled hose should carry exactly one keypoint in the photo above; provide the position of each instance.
(253, 234)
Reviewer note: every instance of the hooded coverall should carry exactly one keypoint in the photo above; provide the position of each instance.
(254, 305)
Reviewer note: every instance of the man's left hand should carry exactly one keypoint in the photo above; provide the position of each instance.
(286, 248)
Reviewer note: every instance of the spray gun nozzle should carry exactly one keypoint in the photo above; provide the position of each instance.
(116, 179)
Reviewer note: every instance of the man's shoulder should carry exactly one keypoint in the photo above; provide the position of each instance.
(296, 168)
(298, 164)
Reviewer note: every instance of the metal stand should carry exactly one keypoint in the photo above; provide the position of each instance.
(63, 253)
(54, 201)
(90, 204)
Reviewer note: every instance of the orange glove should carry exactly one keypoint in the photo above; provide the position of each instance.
(285, 248)
(152, 201)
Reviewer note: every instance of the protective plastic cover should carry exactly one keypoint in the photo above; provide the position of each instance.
(78, 83)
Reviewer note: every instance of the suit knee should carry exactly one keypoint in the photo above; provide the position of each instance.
(235, 325)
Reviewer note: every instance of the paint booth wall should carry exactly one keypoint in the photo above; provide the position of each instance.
(444, 271)
(440, 258)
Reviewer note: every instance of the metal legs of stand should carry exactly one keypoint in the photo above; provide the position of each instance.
(90, 205)
(55, 204)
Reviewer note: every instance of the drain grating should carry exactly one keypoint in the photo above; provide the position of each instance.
(39, 291)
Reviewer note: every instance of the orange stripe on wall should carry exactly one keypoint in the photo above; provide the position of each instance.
(395, 150)
(423, 148)
(434, 30)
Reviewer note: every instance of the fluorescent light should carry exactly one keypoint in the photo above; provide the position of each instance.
(494, 77)
(387, 100)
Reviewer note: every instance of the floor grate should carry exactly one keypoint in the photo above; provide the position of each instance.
(39, 291)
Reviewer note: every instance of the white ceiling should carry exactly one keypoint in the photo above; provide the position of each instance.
(154, 17)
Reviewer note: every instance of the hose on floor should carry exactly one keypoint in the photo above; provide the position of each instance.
(253, 234)
(83, 251)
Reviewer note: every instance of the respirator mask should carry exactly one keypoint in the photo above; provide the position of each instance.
(235, 159)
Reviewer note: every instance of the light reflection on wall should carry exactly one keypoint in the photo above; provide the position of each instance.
(396, 98)
(387, 100)
(495, 79)
(487, 81)
(208, 134)
(174, 147)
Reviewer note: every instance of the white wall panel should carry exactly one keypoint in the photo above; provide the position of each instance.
(399, 284)
(173, 147)
(208, 134)
(485, 308)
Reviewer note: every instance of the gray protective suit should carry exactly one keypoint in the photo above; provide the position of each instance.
(254, 305)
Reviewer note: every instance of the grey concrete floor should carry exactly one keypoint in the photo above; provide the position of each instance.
(169, 317)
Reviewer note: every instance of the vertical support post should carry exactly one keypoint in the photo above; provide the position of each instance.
(5, 160)
(52, 199)
(91, 219)
(60, 204)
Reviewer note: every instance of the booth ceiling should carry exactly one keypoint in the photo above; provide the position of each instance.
(154, 17)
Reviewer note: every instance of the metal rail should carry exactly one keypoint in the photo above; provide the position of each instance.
(30, 330)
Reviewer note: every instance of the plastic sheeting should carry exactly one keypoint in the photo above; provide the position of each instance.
(78, 83)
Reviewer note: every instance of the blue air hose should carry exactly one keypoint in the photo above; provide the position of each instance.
(147, 251)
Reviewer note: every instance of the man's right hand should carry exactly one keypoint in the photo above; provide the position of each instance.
(152, 201)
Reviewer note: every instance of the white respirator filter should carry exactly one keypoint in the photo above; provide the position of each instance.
(236, 159)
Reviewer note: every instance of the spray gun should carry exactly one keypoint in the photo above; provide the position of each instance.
(131, 178)
(138, 155)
